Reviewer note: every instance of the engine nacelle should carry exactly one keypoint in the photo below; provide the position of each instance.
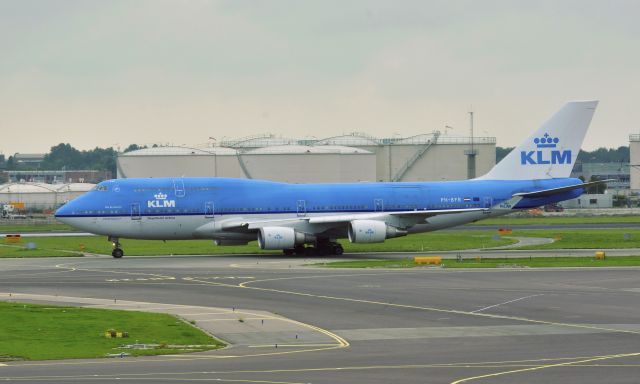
(372, 231)
(281, 238)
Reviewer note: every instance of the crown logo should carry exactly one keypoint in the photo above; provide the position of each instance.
(160, 196)
(546, 141)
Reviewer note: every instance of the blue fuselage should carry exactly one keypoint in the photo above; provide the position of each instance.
(226, 197)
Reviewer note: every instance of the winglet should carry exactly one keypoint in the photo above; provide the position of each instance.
(552, 150)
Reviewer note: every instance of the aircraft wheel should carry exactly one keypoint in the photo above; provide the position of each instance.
(300, 250)
(117, 253)
(338, 250)
(289, 252)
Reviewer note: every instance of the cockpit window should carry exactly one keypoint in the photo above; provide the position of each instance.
(100, 188)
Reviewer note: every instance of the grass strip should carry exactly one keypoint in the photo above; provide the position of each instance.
(15, 226)
(434, 241)
(534, 262)
(24, 228)
(583, 238)
(39, 332)
(619, 238)
(551, 220)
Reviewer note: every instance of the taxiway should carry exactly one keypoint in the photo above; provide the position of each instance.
(404, 326)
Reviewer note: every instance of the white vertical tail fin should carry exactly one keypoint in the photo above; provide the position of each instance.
(552, 150)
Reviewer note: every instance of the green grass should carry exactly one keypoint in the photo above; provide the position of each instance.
(435, 241)
(535, 262)
(19, 251)
(583, 238)
(38, 332)
(432, 241)
(513, 220)
(21, 228)
(55, 246)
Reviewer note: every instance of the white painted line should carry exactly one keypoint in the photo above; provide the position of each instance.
(291, 345)
(237, 319)
(506, 302)
(206, 313)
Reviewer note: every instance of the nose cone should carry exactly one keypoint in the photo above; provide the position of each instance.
(64, 213)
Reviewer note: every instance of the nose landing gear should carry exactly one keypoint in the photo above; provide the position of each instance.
(117, 251)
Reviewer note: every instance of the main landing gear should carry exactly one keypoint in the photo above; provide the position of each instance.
(117, 251)
(324, 248)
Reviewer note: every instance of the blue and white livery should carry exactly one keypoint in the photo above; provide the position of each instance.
(300, 218)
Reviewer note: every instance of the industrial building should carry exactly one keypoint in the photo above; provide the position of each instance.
(634, 166)
(354, 157)
(41, 196)
(618, 173)
(55, 177)
(599, 200)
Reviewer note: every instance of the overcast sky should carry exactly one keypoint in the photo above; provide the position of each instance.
(110, 73)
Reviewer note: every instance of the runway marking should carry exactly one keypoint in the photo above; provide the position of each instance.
(244, 284)
(506, 302)
(570, 363)
(526, 365)
(206, 313)
(140, 279)
(343, 343)
(75, 267)
(218, 277)
(236, 319)
(34, 274)
(291, 345)
(248, 265)
(124, 376)
(432, 309)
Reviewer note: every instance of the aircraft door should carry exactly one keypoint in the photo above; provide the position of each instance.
(135, 211)
(378, 205)
(487, 202)
(301, 208)
(208, 210)
(178, 185)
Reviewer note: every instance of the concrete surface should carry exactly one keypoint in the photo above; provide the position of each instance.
(403, 326)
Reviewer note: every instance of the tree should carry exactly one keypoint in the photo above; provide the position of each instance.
(11, 163)
(501, 153)
(605, 155)
(64, 156)
(133, 147)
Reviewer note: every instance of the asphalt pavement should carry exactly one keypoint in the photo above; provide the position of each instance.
(354, 326)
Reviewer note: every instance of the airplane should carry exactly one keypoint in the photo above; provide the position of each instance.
(309, 218)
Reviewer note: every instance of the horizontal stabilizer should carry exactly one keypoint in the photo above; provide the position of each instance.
(555, 191)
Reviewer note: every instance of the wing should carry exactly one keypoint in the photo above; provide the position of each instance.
(318, 224)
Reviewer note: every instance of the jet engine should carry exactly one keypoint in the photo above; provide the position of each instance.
(372, 231)
(282, 238)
